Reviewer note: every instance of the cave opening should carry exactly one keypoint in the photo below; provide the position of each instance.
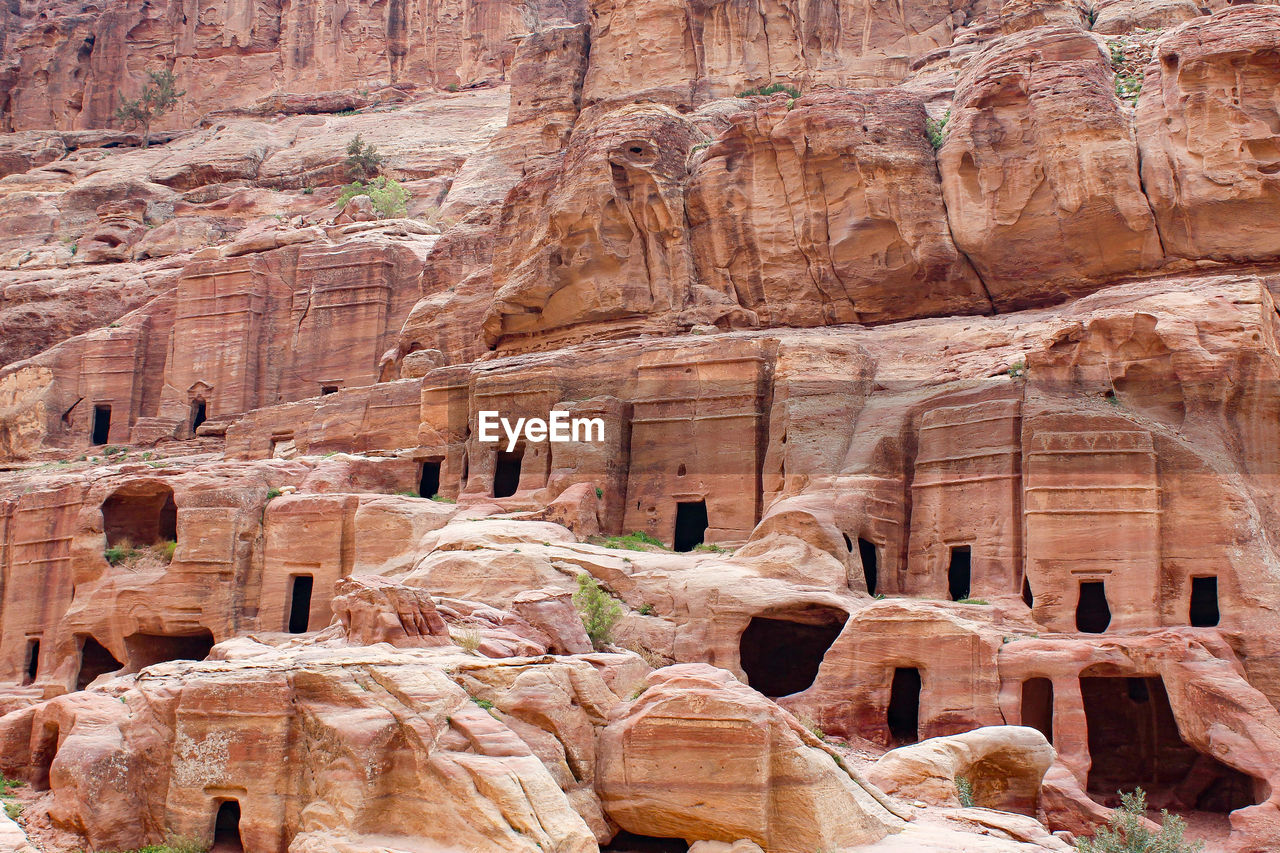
(226, 828)
(691, 525)
(629, 842)
(326, 390)
(958, 572)
(1134, 742)
(300, 603)
(142, 514)
(95, 660)
(144, 650)
(101, 429)
(32, 668)
(781, 653)
(870, 563)
(1204, 602)
(1037, 706)
(429, 478)
(199, 413)
(1093, 614)
(506, 474)
(1028, 597)
(903, 714)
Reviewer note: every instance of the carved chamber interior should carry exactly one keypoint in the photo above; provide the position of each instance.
(95, 660)
(140, 514)
(1134, 742)
(506, 473)
(226, 828)
(691, 525)
(628, 842)
(903, 714)
(147, 649)
(781, 652)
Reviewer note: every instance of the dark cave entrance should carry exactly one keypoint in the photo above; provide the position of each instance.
(1028, 597)
(1204, 602)
(143, 650)
(1134, 741)
(199, 414)
(429, 478)
(226, 828)
(627, 842)
(870, 564)
(1093, 614)
(691, 525)
(903, 714)
(506, 475)
(781, 653)
(95, 660)
(32, 668)
(101, 428)
(300, 603)
(958, 572)
(1037, 706)
(140, 515)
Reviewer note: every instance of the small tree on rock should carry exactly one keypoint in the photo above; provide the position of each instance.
(599, 611)
(157, 98)
(363, 159)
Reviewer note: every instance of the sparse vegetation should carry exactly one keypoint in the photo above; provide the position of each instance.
(973, 601)
(6, 792)
(599, 610)
(1129, 56)
(176, 844)
(636, 540)
(273, 493)
(771, 89)
(712, 548)
(1018, 368)
(964, 792)
(936, 129)
(645, 609)
(599, 492)
(363, 160)
(1126, 832)
(126, 553)
(468, 640)
(390, 199)
(440, 499)
(157, 98)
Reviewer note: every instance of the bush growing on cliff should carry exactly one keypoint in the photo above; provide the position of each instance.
(771, 89)
(389, 198)
(599, 611)
(1125, 832)
(157, 98)
(936, 129)
(363, 159)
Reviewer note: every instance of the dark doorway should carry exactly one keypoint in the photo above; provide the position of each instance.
(1028, 598)
(33, 661)
(429, 479)
(326, 390)
(199, 414)
(101, 424)
(691, 525)
(958, 572)
(626, 842)
(1093, 615)
(1204, 602)
(1134, 741)
(781, 656)
(147, 649)
(506, 476)
(870, 563)
(300, 603)
(95, 660)
(226, 828)
(904, 706)
(1037, 705)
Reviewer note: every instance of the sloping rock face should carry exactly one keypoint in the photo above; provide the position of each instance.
(927, 368)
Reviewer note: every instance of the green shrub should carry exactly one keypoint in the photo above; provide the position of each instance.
(483, 703)
(12, 810)
(973, 601)
(1125, 831)
(599, 610)
(442, 500)
(599, 492)
(122, 552)
(936, 129)
(176, 844)
(273, 493)
(770, 89)
(636, 540)
(645, 609)
(363, 160)
(390, 199)
(964, 792)
(7, 786)
(713, 549)
(165, 550)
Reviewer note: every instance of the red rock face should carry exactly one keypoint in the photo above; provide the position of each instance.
(940, 409)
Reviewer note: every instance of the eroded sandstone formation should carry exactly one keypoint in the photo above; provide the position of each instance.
(938, 407)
